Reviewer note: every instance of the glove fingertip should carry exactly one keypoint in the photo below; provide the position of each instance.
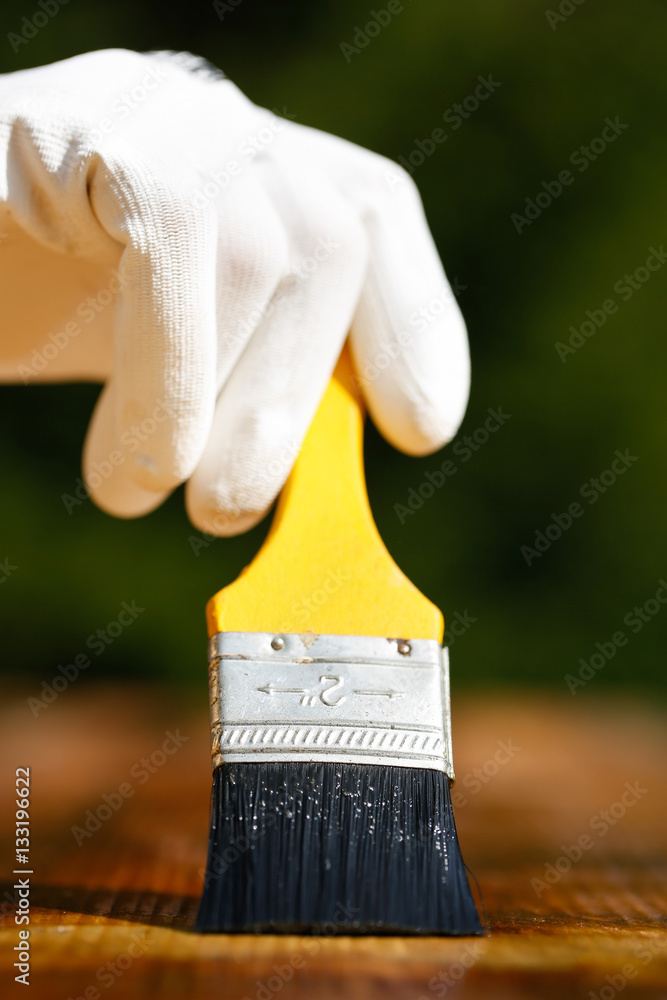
(217, 519)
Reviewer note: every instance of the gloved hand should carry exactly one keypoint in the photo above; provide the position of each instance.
(205, 259)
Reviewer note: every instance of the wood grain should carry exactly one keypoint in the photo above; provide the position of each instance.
(534, 776)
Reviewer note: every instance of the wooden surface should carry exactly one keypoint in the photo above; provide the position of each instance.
(127, 896)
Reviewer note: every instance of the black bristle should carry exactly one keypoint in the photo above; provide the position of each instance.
(334, 849)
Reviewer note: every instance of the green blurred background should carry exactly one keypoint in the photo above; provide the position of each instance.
(520, 293)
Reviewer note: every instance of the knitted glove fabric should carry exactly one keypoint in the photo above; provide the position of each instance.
(206, 259)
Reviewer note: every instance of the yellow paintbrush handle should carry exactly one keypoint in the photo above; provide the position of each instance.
(323, 567)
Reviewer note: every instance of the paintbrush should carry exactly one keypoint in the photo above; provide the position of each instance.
(330, 720)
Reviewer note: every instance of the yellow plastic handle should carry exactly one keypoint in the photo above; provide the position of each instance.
(323, 567)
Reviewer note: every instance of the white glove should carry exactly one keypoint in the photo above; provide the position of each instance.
(205, 259)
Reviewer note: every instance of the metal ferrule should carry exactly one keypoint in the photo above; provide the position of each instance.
(351, 699)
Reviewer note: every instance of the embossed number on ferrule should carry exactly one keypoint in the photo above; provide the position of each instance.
(331, 694)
